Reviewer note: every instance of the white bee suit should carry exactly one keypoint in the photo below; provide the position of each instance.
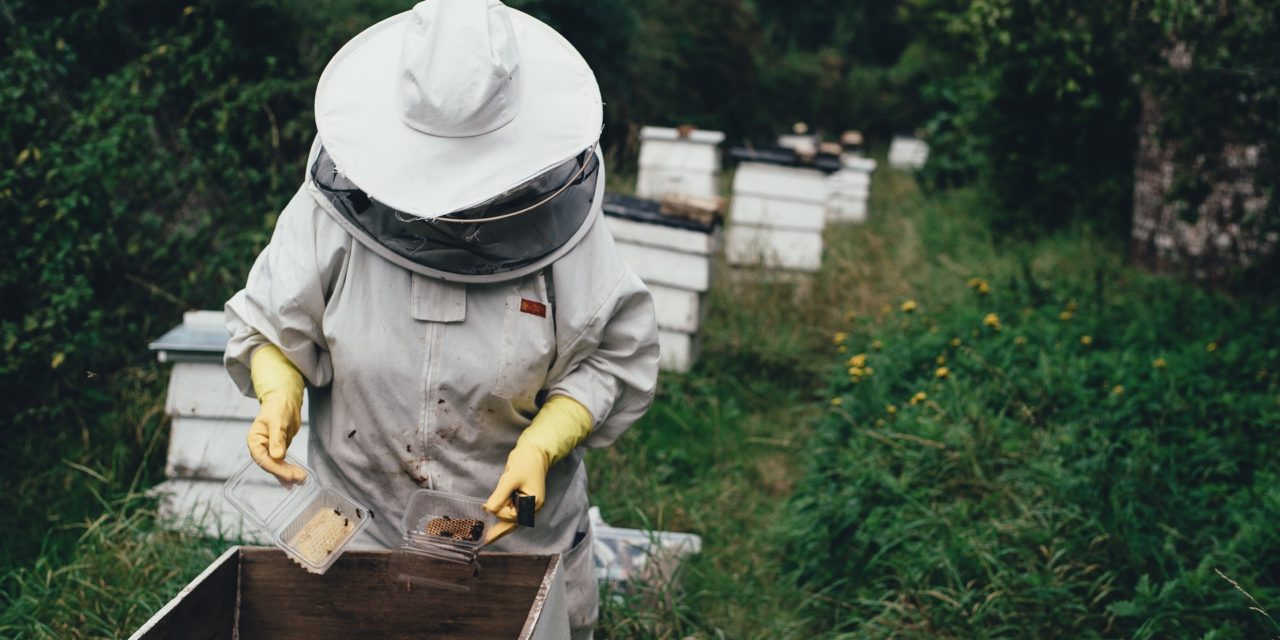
(416, 382)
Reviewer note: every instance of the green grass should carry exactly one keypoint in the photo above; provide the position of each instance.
(972, 514)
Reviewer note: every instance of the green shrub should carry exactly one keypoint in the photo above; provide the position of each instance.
(1070, 461)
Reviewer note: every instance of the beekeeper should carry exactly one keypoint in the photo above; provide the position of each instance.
(445, 287)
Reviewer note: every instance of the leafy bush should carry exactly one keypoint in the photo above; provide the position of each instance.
(1074, 460)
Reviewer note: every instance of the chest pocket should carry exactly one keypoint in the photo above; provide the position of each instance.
(528, 343)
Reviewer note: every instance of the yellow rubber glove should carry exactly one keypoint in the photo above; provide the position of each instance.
(279, 386)
(561, 424)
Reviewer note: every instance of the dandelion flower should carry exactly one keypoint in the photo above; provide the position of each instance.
(941, 360)
(835, 402)
(839, 337)
(1065, 316)
(1118, 390)
(858, 360)
(919, 397)
(909, 306)
(891, 409)
(877, 345)
(991, 320)
(979, 285)
(1211, 347)
(955, 342)
(942, 373)
(1020, 340)
(1086, 340)
(1159, 363)
(841, 349)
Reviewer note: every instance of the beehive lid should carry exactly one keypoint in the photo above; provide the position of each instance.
(202, 337)
(786, 158)
(649, 212)
(697, 136)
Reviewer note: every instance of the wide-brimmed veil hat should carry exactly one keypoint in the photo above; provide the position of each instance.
(453, 103)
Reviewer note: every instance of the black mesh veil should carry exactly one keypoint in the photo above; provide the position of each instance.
(472, 249)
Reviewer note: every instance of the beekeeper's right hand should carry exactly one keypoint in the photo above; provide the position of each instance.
(279, 387)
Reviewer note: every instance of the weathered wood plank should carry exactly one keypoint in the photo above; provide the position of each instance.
(654, 182)
(678, 350)
(679, 155)
(677, 309)
(357, 598)
(205, 609)
(847, 211)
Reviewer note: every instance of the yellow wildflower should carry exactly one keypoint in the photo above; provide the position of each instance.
(979, 285)
(919, 397)
(1065, 316)
(869, 370)
(991, 320)
(955, 342)
(855, 371)
(942, 372)
(880, 422)
(1086, 340)
(941, 360)
(186, 11)
(909, 306)
(1159, 363)
(891, 409)
(841, 349)
(839, 337)
(1118, 390)
(1211, 347)
(877, 345)
(859, 360)
(1020, 340)
(835, 402)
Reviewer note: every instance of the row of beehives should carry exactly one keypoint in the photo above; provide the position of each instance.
(782, 201)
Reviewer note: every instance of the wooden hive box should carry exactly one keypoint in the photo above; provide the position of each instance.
(850, 188)
(209, 418)
(906, 152)
(675, 162)
(675, 259)
(779, 210)
(258, 592)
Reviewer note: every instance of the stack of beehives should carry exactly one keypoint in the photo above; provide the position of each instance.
(674, 255)
(683, 160)
(779, 210)
(209, 420)
(906, 152)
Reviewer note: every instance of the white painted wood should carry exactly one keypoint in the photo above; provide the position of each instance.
(907, 153)
(779, 248)
(197, 507)
(857, 163)
(847, 211)
(774, 181)
(762, 211)
(674, 269)
(678, 350)
(214, 449)
(655, 182)
(797, 140)
(205, 319)
(677, 309)
(700, 136)
(205, 389)
(849, 179)
(663, 237)
(678, 155)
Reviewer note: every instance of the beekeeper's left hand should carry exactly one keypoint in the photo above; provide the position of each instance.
(562, 424)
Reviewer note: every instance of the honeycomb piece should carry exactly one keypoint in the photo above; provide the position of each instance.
(466, 529)
(323, 534)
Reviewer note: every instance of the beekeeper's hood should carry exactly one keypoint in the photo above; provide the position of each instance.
(459, 139)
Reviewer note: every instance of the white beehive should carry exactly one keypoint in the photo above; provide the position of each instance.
(850, 188)
(777, 216)
(906, 152)
(684, 161)
(674, 257)
(209, 419)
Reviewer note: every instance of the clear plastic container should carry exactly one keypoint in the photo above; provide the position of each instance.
(443, 533)
(311, 523)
